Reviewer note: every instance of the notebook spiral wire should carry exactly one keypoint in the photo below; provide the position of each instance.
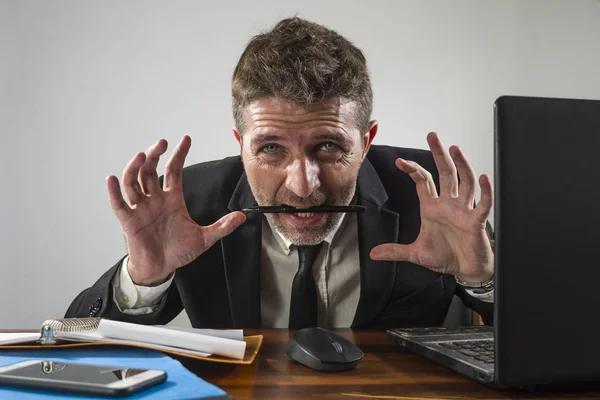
(53, 327)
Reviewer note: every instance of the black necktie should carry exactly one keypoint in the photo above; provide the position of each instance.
(303, 307)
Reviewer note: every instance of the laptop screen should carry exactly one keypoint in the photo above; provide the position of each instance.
(547, 218)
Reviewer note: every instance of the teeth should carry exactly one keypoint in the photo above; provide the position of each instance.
(305, 215)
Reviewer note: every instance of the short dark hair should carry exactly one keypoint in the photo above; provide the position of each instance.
(304, 62)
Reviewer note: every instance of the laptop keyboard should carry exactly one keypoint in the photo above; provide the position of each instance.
(436, 331)
(482, 350)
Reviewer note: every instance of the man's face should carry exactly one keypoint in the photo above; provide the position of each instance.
(303, 158)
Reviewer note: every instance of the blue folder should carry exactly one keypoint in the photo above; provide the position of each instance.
(180, 383)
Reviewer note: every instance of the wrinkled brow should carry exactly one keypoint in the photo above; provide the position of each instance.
(261, 139)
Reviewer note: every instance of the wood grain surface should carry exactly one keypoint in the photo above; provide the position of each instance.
(386, 372)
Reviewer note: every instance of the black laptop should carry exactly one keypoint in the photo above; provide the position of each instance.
(547, 219)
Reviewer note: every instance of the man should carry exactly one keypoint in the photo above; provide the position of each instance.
(302, 103)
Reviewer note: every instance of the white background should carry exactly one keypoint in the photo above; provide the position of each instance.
(86, 84)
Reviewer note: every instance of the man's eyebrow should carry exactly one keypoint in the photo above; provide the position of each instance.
(260, 139)
(338, 137)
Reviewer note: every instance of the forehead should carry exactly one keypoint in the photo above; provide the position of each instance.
(273, 112)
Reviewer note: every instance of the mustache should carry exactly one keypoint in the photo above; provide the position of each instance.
(286, 198)
(314, 200)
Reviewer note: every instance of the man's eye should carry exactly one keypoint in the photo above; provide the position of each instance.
(270, 148)
(328, 146)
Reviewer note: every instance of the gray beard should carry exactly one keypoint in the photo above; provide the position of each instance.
(312, 235)
(306, 236)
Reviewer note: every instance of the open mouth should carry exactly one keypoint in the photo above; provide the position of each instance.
(303, 219)
(304, 215)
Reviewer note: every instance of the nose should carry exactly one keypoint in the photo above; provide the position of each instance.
(303, 177)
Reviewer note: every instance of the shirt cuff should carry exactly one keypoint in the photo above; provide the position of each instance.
(133, 299)
(487, 297)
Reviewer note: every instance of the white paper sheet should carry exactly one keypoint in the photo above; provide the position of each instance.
(233, 334)
(171, 337)
(94, 337)
(18, 337)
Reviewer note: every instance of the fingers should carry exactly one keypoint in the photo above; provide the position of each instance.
(466, 189)
(133, 190)
(482, 211)
(174, 167)
(422, 178)
(391, 252)
(115, 197)
(148, 176)
(445, 166)
(140, 177)
(222, 227)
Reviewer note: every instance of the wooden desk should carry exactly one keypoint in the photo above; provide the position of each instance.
(387, 372)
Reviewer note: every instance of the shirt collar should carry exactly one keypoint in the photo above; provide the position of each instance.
(286, 244)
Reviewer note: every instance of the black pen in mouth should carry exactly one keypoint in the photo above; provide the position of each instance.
(294, 210)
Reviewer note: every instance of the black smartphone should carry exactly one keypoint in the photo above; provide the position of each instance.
(101, 380)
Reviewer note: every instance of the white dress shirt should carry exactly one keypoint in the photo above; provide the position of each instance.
(336, 272)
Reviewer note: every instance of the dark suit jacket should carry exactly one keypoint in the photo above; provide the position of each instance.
(221, 288)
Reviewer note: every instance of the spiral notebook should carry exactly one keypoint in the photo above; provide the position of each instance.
(226, 346)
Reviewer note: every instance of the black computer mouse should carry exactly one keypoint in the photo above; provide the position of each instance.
(323, 350)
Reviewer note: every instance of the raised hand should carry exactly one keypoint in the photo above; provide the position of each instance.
(453, 238)
(159, 232)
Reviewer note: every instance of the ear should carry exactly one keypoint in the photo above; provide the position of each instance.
(369, 136)
(237, 134)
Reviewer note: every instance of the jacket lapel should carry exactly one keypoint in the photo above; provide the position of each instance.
(376, 225)
(241, 256)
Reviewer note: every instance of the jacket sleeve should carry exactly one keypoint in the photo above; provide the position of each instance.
(97, 301)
